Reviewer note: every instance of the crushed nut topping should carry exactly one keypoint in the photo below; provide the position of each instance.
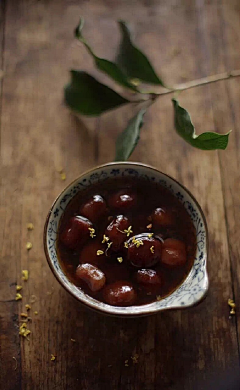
(232, 304)
(63, 176)
(23, 331)
(29, 246)
(25, 275)
(18, 297)
(92, 231)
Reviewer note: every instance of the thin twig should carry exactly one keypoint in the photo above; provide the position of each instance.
(199, 82)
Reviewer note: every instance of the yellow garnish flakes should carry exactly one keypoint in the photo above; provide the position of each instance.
(120, 259)
(128, 231)
(135, 358)
(29, 246)
(63, 176)
(149, 226)
(105, 239)
(125, 245)
(36, 312)
(99, 252)
(109, 244)
(126, 363)
(158, 298)
(24, 315)
(53, 357)
(30, 226)
(73, 340)
(150, 235)
(23, 331)
(232, 304)
(92, 231)
(28, 307)
(25, 275)
(18, 297)
(138, 243)
(152, 249)
(18, 288)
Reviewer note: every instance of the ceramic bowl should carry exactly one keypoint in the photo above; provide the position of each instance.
(194, 287)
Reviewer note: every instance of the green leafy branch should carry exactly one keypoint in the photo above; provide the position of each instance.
(86, 95)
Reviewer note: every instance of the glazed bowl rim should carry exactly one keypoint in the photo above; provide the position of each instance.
(111, 309)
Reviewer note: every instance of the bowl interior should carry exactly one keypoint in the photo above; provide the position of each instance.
(191, 291)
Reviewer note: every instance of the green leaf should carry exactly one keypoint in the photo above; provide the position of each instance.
(106, 66)
(87, 96)
(128, 139)
(133, 62)
(185, 128)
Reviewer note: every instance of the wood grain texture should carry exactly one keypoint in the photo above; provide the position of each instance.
(185, 40)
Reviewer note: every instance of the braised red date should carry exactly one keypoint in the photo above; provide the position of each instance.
(123, 201)
(148, 277)
(162, 217)
(120, 293)
(76, 232)
(144, 250)
(174, 252)
(91, 275)
(115, 232)
(94, 209)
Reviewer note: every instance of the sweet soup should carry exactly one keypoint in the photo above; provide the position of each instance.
(126, 241)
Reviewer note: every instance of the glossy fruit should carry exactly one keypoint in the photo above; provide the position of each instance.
(91, 275)
(174, 252)
(89, 253)
(144, 250)
(115, 232)
(123, 201)
(162, 217)
(120, 293)
(76, 232)
(148, 277)
(94, 209)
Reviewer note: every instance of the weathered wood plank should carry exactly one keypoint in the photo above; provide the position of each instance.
(177, 350)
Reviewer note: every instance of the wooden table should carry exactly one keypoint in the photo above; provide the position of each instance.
(185, 40)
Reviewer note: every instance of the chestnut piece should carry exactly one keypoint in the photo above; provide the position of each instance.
(91, 275)
(115, 232)
(76, 232)
(120, 293)
(94, 209)
(162, 217)
(123, 201)
(173, 252)
(144, 250)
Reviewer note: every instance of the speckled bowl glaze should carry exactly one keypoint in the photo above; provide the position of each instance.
(194, 287)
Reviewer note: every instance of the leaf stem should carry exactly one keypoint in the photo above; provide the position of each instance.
(198, 83)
